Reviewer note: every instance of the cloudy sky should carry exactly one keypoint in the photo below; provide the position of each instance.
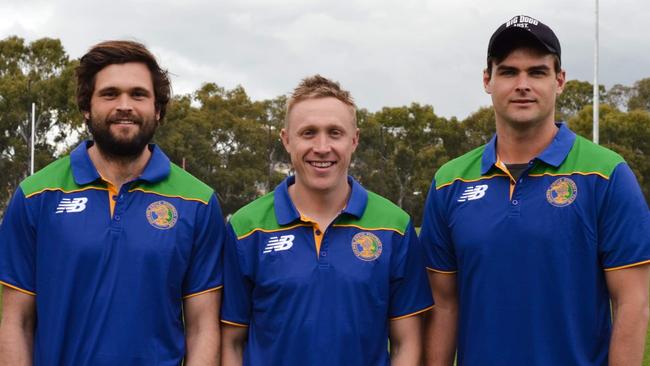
(387, 53)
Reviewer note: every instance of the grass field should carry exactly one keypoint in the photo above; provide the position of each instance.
(646, 357)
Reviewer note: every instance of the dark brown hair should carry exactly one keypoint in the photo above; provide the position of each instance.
(120, 52)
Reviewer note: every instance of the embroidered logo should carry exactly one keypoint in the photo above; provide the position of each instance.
(162, 215)
(366, 246)
(276, 244)
(70, 205)
(562, 192)
(473, 193)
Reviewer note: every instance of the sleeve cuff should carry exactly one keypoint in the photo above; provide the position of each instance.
(440, 271)
(413, 313)
(647, 261)
(18, 288)
(240, 325)
(203, 292)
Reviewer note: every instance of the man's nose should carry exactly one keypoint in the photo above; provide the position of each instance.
(124, 102)
(523, 83)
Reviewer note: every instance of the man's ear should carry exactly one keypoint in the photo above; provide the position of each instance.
(284, 136)
(560, 78)
(486, 81)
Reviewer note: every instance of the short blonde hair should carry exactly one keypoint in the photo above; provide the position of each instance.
(317, 86)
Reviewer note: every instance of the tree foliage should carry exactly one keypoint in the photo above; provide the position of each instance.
(640, 98)
(627, 133)
(39, 72)
(576, 95)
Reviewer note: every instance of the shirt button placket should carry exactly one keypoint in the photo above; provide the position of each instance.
(323, 259)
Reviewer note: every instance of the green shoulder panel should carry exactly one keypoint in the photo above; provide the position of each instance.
(585, 157)
(55, 176)
(380, 213)
(465, 167)
(179, 184)
(259, 214)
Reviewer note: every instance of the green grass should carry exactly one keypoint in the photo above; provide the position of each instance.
(646, 357)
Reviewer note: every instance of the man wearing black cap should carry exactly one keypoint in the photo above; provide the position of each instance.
(530, 236)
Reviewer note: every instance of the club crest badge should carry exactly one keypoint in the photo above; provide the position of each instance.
(366, 246)
(162, 215)
(562, 192)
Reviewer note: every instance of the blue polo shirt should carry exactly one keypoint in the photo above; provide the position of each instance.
(321, 296)
(110, 269)
(530, 255)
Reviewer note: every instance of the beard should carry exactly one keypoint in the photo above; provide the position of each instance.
(114, 147)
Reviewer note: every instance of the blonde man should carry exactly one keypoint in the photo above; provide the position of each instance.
(321, 271)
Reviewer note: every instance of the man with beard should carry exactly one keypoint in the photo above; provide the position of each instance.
(112, 255)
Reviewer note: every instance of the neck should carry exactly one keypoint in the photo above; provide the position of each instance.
(118, 171)
(320, 206)
(518, 146)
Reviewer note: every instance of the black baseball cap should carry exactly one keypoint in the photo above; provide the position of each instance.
(523, 26)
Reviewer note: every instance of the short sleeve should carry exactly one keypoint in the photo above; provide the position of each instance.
(410, 293)
(435, 236)
(18, 246)
(205, 272)
(237, 293)
(623, 222)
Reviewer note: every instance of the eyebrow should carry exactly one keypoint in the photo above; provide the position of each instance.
(532, 68)
(113, 89)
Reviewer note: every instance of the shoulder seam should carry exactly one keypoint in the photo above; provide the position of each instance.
(51, 189)
(470, 180)
(169, 195)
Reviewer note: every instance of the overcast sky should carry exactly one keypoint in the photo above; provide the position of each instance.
(387, 53)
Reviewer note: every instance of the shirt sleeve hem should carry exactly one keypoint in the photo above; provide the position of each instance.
(647, 261)
(413, 313)
(203, 292)
(441, 271)
(234, 323)
(18, 288)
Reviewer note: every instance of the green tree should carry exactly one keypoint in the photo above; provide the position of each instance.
(575, 96)
(477, 129)
(276, 158)
(228, 141)
(399, 151)
(39, 72)
(627, 133)
(640, 98)
(618, 96)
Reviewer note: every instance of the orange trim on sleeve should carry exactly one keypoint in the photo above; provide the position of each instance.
(627, 266)
(234, 324)
(203, 292)
(412, 314)
(18, 288)
(442, 272)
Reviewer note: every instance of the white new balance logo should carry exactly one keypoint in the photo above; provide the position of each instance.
(277, 244)
(473, 193)
(70, 205)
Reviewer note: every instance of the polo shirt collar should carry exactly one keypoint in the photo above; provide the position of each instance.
(553, 155)
(84, 171)
(286, 212)
(158, 166)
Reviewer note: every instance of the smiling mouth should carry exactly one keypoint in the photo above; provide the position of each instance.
(321, 164)
(125, 122)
